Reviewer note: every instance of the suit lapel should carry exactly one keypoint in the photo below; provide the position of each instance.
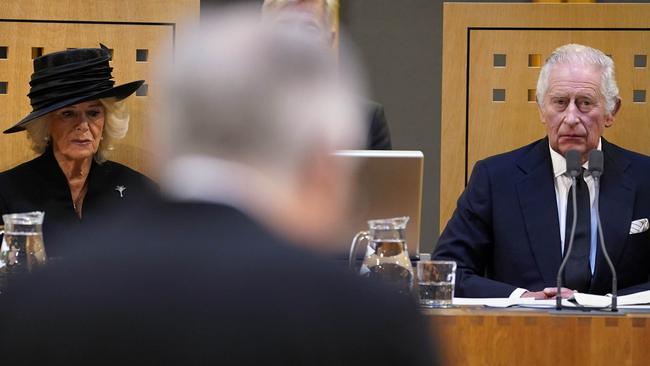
(536, 193)
(616, 202)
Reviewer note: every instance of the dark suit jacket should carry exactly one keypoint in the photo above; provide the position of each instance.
(191, 283)
(505, 233)
(40, 185)
(378, 133)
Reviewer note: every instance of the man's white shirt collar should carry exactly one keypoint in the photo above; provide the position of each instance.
(559, 162)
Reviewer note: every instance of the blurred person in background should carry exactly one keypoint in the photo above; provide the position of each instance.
(215, 274)
(316, 18)
(78, 114)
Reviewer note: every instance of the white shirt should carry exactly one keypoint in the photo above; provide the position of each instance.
(562, 186)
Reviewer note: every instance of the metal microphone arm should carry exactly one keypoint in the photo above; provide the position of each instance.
(558, 296)
(596, 168)
(573, 170)
(602, 242)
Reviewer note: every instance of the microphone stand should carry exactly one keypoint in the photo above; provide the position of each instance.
(558, 296)
(596, 176)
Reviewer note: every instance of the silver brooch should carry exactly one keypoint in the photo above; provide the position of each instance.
(121, 189)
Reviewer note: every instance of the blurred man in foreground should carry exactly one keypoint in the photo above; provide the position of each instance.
(212, 276)
(316, 19)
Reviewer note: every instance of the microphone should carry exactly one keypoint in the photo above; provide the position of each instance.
(596, 170)
(596, 163)
(573, 170)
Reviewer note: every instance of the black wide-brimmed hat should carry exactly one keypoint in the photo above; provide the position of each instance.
(64, 78)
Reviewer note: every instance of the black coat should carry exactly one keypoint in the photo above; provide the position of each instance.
(40, 185)
(193, 283)
(378, 131)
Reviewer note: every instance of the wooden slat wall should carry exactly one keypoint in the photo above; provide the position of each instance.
(122, 25)
(472, 336)
(473, 126)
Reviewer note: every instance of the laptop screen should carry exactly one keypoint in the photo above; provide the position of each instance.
(389, 184)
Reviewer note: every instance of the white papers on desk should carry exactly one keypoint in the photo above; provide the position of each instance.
(632, 301)
(639, 298)
(497, 302)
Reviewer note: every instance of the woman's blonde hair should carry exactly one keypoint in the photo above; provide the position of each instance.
(116, 124)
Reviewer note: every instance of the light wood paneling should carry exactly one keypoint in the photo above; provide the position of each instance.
(533, 337)
(473, 126)
(122, 25)
(495, 127)
(151, 11)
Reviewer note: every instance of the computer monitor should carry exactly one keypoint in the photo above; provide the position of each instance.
(389, 184)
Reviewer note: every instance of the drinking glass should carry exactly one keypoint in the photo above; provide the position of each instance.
(436, 280)
(22, 248)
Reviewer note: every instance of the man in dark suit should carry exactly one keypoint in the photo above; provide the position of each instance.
(317, 18)
(218, 274)
(510, 229)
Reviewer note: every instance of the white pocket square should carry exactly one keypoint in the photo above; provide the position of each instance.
(639, 226)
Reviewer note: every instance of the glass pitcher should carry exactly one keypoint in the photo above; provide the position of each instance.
(22, 247)
(386, 255)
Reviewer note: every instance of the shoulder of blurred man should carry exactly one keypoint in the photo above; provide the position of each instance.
(195, 281)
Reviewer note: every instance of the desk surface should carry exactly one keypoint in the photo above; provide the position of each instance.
(519, 336)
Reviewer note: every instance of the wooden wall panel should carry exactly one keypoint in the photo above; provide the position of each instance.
(151, 11)
(475, 336)
(122, 25)
(473, 126)
(495, 127)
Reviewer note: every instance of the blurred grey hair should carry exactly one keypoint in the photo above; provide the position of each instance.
(330, 7)
(579, 54)
(116, 124)
(242, 90)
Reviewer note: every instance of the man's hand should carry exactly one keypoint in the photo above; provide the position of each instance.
(549, 293)
(538, 295)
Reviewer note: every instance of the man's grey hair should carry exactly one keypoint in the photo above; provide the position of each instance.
(116, 125)
(585, 55)
(245, 91)
(330, 6)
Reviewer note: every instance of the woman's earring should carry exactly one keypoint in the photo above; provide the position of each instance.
(46, 138)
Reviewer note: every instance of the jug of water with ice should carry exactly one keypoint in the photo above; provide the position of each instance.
(386, 255)
(22, 248)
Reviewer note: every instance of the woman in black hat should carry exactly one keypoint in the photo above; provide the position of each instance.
(77, 115)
